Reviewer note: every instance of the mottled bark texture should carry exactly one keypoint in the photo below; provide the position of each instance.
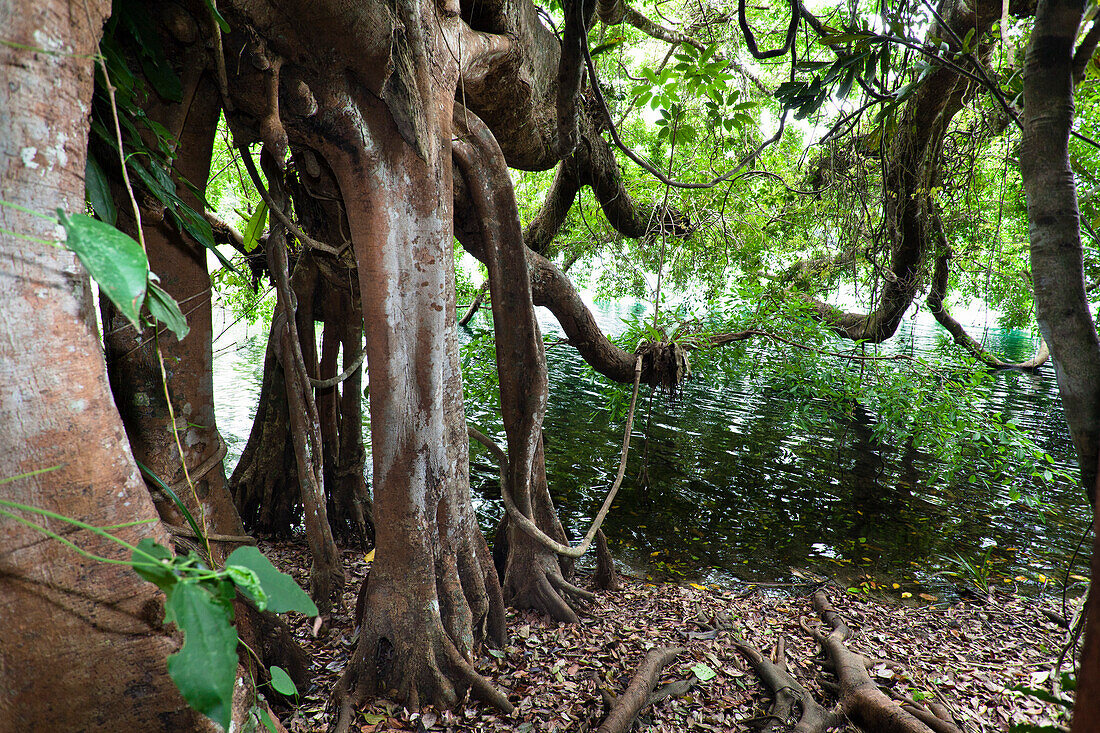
(1061, 307)
(913, 161)
(67, 620)
(533, 576)
(132, 363)
(382, 82)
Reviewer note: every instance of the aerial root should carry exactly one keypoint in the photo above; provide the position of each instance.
(564, 586)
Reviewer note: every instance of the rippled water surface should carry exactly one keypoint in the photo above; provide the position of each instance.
(737, 490)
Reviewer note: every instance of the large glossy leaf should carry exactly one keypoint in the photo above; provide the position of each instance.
(114, 260)
(255, 227)
(165, 309)
(283, 594)
(281, 682)
(205, 668)
(98, 192)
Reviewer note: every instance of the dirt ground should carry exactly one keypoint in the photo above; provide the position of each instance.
(966, 656)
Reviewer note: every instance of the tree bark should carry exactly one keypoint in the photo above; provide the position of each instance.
(67, 619)
(1086, 710)
(351, 514)
(533, 576)
(382, 122)
(265, 483)
(326, 575)
(1061, 306)
(132, 363)
(936, 293)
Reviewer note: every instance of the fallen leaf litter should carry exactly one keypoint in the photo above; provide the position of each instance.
(966, 656)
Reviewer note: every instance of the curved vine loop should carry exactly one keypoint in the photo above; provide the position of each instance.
(750, 39)
(525, 522)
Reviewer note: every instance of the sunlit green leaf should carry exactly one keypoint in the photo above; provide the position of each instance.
(205, 669)
(255, 228)
(283, 594)
(114, 260)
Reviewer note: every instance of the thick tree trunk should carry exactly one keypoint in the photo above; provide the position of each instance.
(132, 362)
(533, 576)
(67, 619)
(264, 483)
(1061, 306)
(432, 594)
(1086, 711)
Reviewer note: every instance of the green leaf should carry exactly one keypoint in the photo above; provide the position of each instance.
(281, 682)
(165, 309)
(98, 192)
(154, 570)
(265, 718)
(249, 583)
(283, 594)
(175, 499)
(114, 260)
(205, 669)
(839, 38)
(703, 672)
(255, 227)
(218, 17)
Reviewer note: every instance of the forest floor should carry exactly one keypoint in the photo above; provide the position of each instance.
(966, 656)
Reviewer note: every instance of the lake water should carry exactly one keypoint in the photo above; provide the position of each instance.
(738, 491)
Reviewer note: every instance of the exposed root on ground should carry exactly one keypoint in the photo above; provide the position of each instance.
(637, 697)
(789, 695)
(861, 699)
(433, 672)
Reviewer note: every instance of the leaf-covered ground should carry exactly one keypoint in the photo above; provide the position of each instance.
(965, 656)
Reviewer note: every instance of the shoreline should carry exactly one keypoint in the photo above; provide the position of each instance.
(965, 656)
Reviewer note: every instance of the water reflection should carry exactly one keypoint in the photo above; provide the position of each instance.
(725, 483)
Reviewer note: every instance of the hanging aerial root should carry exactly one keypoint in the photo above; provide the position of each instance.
(630, 704)
(788, 694)
(666, 364)
(525, 522)
(861, 699)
